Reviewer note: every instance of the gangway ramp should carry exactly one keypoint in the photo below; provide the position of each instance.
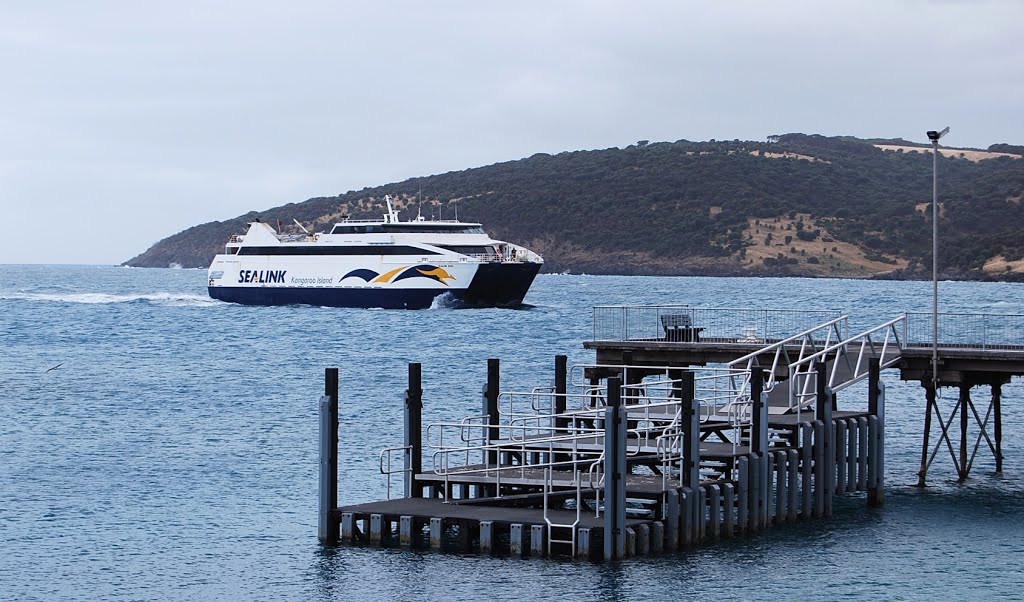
(791, 364)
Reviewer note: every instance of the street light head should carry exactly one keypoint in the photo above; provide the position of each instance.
(934, 136)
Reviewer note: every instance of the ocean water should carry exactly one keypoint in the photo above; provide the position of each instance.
(155, 444)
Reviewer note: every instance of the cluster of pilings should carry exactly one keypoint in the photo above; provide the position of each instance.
(785, 470)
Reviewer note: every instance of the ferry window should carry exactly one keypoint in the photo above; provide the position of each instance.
(360, 229)
(433, 229)
(470, 250)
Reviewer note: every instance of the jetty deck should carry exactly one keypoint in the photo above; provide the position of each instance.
(690, 425)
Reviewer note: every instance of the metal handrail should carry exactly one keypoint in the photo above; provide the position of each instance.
(739, 325)
(780, 351)
(802, 373)
(966, 331)
(385, 455)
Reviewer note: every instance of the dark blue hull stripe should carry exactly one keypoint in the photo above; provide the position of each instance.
(331, 297)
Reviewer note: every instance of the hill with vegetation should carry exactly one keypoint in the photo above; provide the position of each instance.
(795, 204)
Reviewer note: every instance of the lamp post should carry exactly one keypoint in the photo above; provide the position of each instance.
(934, 137)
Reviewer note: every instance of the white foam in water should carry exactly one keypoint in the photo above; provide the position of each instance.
(106, 298)
(445, 301)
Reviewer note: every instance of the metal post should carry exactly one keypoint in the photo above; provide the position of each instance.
(934, 137)
(561, 362)
(615, 474)
(876, 407)
(561, 422)
(329, 530)
(935, 261)
(414, 432)
(759, 447)
(491, 406)
(759, 436)
(828, 456)
(691, 436)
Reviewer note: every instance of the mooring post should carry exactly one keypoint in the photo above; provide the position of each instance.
(839, 438)
(491, 407)
(742, 494)
(929, 395)
(691, 441)
(672, 520)
(561, 362)
(329, 531)
(819, 468)
(824, 410)
(615, 473)
(965, 403)
(759, 445)
(997, 392)
(414, 432)
(876, 407)
(806, 463)
(561, 422)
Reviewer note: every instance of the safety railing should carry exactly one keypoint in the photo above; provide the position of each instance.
(570, 453)
(790, 350)
(723, 394)
(721, 325)
(387, 470)
(847, 362)
(966, 331)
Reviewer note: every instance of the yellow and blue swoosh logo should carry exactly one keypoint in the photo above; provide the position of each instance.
(418, 271)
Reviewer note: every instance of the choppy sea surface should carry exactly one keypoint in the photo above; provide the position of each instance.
(158, 445)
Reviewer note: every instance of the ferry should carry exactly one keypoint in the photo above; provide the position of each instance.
(384, 263)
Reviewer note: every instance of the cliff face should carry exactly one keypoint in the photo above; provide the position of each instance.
(797, 205)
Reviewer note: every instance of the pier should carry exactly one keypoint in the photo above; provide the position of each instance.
(691, 425)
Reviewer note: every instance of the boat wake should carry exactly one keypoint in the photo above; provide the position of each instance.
(446, 301)
(170, 299)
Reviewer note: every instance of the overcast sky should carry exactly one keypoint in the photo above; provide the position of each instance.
(122, 123)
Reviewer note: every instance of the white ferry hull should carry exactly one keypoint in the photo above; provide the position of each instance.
(264, 281)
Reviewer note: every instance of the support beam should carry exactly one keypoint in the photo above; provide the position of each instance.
(436, 533)
(997, 392)
(929, 395)
(486, 537)
(405, 528)
(964, 401)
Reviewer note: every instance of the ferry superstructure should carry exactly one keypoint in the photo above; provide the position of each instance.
(384, 263)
